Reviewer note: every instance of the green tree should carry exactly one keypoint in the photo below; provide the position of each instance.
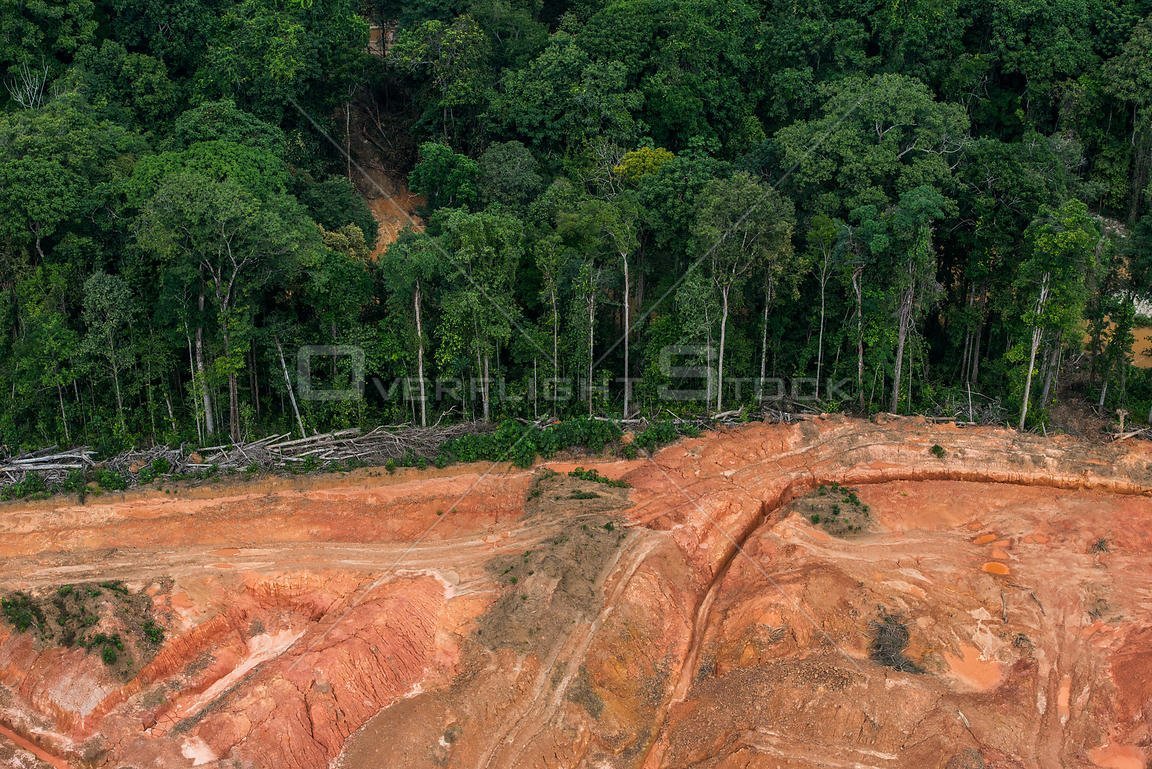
(412, 268)
(108, 315)
(223, 227)
(743, 226)
(453, 59)
(509, 174)
(447, 179)
(276, 57)
(479, 310)
(916, 286)
(564, 99)
(1051, 282)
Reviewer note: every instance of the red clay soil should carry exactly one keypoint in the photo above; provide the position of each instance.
(491, 617)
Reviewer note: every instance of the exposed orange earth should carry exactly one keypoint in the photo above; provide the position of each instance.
(483, 616)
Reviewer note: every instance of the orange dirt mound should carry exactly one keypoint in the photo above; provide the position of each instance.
(494, 617)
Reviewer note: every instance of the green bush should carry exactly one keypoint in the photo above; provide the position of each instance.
(596, 477)
(31, 486)
(659, 434)
(153, 632)
(521, 444)
(111, 481)
(22, 612)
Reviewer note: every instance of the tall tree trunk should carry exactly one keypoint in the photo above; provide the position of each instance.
(858, 289)
(591, 340)
(192, 370)
(348, 136)
(723, 337)
(763, 354)
(769, 296)
(115, 377)
(209, 417)
(627, 334)
(555, 336)
(974, 372)
(171, 413)
(1051, 369)
(420, 355)
(291, 390)
(254, 378)
(64, 416)
(1037, 334)
(901, 338)
(486, 391)
(820, 338)
(233, 394)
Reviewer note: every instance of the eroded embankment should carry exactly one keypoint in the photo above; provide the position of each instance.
(453, 619)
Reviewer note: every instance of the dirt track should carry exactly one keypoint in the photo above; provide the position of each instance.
(340, 618)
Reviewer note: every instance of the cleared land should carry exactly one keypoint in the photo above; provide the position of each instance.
(495, 617)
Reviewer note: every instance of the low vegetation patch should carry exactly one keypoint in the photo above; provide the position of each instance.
(836, 509)
(106, 618)
(659, 434)
(596, 477)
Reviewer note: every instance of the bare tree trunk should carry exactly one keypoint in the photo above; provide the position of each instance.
(1051, 368)
(486, 391)
(291, 391)
(64, 415)
(627, 333)
(901, 338)
(171, 413)
(769, 295)
(723, 337)
(420, 354)
(209, 417)
(116, 377)
(255, 382)
(858, 289)
(974, 372)
(233, 394)
(591, 340)
(192, 371)
(1037, 334)
(555, 335)
(820, 339)
(763, 356)
(348, 135)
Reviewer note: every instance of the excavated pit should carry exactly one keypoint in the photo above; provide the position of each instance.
(700, 618)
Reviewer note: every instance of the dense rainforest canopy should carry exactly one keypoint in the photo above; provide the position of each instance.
(906, 205)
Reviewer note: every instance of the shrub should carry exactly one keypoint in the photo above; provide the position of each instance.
(153, 632)
(596, 477)
(659, 434)
(22, 611)
(31, 486)
(111, 481)
(521, 444)
(938, 451)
